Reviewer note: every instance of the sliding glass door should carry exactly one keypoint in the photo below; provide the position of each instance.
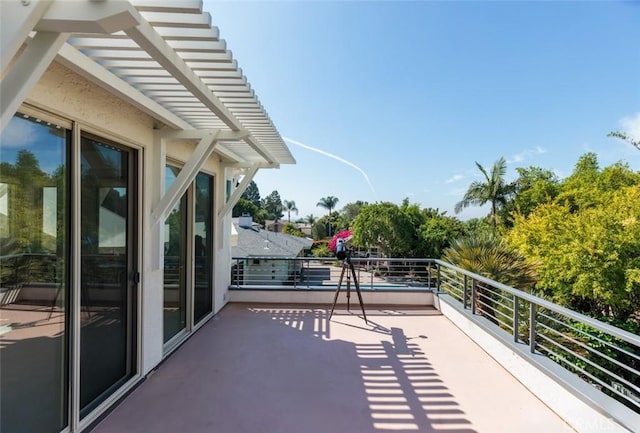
(34, 276)
(108, 272)
(188, 257)
(203, 247)
(175, 260)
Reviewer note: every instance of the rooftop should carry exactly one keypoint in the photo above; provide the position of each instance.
(269, 368)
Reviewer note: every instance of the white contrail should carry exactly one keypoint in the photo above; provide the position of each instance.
(330, 155)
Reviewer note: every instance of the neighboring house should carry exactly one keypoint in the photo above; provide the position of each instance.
(252, 243)
(129, 132)
(274, 225)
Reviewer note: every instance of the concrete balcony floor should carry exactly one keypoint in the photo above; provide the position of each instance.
(259, 368)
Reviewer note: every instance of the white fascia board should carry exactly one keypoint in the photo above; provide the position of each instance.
(17, 20)
(148, 39)
(78, 62)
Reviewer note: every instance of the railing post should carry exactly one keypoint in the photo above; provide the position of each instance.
(295, 273)
(370, 269)
(465, 293)
(516, 318)
(473, 296)
(532, 327)
(438, 273)
(308, 276)
(237, 274)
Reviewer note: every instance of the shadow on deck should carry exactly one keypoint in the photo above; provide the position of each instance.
(262, 368)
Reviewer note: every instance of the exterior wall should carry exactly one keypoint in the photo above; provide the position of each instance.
(64, 93)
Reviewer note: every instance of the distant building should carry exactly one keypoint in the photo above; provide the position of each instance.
(251, 242)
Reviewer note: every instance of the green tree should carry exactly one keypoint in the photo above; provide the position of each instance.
(387, 226)
(273, 205)
(290, 206)
(291, 229)
(493, 190)
(438, 231)
(245, 207)
(328, 203)
(485, 254)
(252, 194)
(488, 255)
(534, 186)
(351, 210)
(589, 258)
(319, 229)
(577, 190)
(310, 219)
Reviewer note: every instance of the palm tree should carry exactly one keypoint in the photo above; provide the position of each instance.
(485, 254)
(328, 203)
(625, 137)
(494, 190)
(290, 206)
(311, 219)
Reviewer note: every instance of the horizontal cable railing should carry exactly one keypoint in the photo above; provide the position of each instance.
(325, 273)
(604, 356)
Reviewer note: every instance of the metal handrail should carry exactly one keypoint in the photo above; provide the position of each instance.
(373, 273)
(594, 323)
(554, 331)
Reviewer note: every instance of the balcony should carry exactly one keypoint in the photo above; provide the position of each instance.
(442, 350)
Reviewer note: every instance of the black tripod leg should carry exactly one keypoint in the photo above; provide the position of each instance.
(355, 280)
(335, 298)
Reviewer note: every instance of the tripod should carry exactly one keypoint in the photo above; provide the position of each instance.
(346, 263)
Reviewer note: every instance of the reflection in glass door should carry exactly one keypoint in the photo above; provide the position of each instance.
(202, 247)
(108, 251)
(34, 296)
(175, 259)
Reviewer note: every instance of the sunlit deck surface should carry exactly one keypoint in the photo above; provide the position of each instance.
(259, 368)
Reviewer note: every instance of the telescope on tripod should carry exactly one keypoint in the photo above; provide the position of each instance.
(344, 253)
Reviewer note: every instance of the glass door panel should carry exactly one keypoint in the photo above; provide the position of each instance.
(203, 251)
(175, 259)
(107, 302)
(33, 276)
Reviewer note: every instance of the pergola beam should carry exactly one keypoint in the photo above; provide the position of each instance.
(209, 139)
(237, 193)
(17, 19)
(26, 71)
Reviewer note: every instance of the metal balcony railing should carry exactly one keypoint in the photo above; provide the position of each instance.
(604, 356)
(325, 273)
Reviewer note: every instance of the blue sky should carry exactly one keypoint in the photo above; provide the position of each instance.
(414, 93)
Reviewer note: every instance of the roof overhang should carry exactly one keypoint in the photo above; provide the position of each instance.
(162, 56)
